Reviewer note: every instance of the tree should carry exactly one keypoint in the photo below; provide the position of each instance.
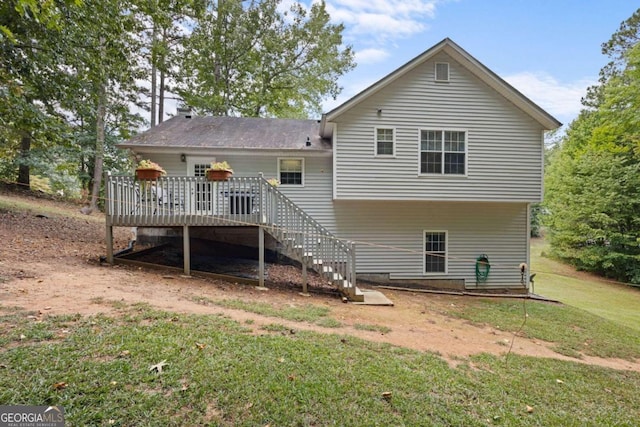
(164, 23)
(102, 61)
(31, 80)
(593, 181)
(256, 61)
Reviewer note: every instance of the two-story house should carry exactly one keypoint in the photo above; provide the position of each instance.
(427, 176)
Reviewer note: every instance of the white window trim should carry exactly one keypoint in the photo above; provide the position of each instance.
(375, 142)
(435, 72)
(466, 153)
(446, 253)
(303, 171)
(191, 161)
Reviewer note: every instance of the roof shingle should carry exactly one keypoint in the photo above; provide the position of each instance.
(187, 131)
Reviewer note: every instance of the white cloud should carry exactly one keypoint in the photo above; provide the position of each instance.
(371, 56)
(561, 100)
(382, 19)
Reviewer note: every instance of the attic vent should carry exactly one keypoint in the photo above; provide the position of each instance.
(442, 71)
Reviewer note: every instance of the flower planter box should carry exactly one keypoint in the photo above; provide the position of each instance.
(148, 174)
(218, 175)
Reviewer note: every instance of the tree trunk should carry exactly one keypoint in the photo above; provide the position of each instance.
(154, 72)
(23, 166)
(161, 98)
(100, 136)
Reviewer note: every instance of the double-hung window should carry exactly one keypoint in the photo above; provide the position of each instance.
(291, 171)
(384, 142)
(435, 252)
(443, 152)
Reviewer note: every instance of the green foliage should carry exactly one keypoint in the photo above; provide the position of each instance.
(593, 180)
(254, 60)
(537, 214)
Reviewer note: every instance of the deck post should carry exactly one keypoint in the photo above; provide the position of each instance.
(304, 276)
(109, 237)
(186, 250)
(261, 257)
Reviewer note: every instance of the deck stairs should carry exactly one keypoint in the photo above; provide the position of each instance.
(304, 239)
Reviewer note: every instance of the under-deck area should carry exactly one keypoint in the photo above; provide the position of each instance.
(186, 201)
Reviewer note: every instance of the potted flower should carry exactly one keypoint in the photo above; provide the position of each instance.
(148, 170)
(219, 171)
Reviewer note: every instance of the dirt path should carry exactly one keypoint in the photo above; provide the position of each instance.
(50, 265)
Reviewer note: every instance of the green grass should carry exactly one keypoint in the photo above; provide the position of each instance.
(306, 313)
(219, 374)
(372, 328)
(572, 330)
(610, 300)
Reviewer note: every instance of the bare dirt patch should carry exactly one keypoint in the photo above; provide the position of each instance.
(49, 264)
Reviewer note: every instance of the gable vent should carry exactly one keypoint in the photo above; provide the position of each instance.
(442, 71)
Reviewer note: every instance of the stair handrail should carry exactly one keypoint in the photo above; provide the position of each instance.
(342, 263)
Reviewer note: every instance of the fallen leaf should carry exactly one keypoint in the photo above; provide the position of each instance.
(60, 386)
(291, 377)
(529, 409)
(185, 387)
(158, 366)
(124, 353)
(281, 360)
(200, 346)
(23, 337)
(386, 395)
(559, 381)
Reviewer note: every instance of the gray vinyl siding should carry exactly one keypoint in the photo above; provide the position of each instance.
(389, 234)
(504, 158)
(389, 238)
(315, 197)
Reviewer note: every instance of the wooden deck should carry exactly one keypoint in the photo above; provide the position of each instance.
(187, 201)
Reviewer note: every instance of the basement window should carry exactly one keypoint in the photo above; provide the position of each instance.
(435, 252)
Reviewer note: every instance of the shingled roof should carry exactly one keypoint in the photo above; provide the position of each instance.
(190, 131)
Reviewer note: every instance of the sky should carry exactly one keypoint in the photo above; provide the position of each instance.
(550, 50)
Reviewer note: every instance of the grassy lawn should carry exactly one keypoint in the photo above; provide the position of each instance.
(606, 299)
(211, 370)
(572, 331)
(218, 373)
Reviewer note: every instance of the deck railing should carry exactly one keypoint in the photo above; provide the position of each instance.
(194, 201)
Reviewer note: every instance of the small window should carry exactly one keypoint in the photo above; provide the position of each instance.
(199, 169)
(443, 152)
(384, 142)
(435, 252)
(291, 171)
(442, 72)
